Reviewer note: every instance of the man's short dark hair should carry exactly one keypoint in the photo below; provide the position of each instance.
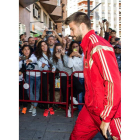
(78, 18)
(50, 36)
(29, 38)
(21, 36)
(113, 31)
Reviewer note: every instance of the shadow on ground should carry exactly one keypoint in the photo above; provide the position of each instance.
(55, 127)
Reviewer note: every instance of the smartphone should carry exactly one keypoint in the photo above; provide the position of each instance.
(49, 32)
(20, 42)
(109, 136)
(59, 51)
(75, 50)
(23, 58)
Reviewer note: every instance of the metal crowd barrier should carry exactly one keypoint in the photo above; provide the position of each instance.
(48, 102)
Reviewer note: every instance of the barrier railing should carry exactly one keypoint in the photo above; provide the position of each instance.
(72, 109)
(40, 94)
(48, 94)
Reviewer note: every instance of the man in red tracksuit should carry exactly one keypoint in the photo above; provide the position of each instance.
(102, 109)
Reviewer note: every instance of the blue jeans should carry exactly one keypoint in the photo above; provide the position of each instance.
(36, 88)
(81, 95)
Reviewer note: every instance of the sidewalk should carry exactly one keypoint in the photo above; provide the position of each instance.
(55, 127)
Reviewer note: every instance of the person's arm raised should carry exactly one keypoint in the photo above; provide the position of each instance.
(56, 35)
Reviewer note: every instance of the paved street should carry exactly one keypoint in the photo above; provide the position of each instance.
(56, 127)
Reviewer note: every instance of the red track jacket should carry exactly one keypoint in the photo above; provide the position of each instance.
(102, 78)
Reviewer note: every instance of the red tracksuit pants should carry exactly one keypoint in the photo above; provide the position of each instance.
(88, 125)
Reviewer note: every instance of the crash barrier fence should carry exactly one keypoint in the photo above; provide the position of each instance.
(57, 88)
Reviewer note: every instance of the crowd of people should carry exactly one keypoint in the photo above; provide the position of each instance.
(55, 53)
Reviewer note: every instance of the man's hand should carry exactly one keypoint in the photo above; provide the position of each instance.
(44, 33)
(63, 51)
(64, 41)
(54, 33)
(43, 65)
(104, 126)
(107, 23)
(101, 24)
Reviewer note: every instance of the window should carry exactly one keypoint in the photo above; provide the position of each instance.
(35, 11)
(103, 12)
(45, 18)
(54, 27)
(58, 2)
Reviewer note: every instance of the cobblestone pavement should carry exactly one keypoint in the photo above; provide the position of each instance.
(55, 127)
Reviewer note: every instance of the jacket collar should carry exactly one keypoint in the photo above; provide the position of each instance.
(85, 40)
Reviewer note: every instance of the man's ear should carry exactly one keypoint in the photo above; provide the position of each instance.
(82, 26)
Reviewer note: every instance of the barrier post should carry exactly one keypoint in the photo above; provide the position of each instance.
(72, 110)
(22, 85)
(41, 86)
(72, 95)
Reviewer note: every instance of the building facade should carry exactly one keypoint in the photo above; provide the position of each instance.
(39, 20)
(24, 17)
(120, 18)
(36, 15)
(70, 9)
(109, 9)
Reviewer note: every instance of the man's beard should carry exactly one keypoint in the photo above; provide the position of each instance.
(77, 38)
(51, 44)
(32, 45)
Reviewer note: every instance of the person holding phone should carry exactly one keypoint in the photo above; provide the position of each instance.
(33, 79)
(75, 61)
(60, 60)
(22, 73)
(44, 61)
